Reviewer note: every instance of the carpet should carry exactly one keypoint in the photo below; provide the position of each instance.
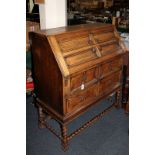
(108, 136)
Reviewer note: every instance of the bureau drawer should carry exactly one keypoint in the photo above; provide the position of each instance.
(83, 78)
(93, 74)
(111, 66)
(109, 82)
(81, 98)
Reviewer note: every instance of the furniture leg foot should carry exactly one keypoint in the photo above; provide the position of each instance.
(117, 103)
(64, 147)
(64, 141)
(41, 118)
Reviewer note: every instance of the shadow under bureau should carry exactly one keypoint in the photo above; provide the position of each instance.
(73, 68)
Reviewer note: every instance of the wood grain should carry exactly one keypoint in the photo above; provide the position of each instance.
(74, 68)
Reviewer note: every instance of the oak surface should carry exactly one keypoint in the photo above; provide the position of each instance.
(74, 68)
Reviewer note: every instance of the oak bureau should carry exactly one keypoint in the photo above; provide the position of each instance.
(73, 68)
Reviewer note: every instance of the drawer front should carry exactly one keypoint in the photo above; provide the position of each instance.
(83, 97)
(92, 75)
(108, 83)
(110, 67)
(80, 99)
(83, 78)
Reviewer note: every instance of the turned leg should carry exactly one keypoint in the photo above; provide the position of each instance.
(118, 95)
(64, 141)
(41, 118)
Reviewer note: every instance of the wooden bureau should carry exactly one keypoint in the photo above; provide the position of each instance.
(73, 68)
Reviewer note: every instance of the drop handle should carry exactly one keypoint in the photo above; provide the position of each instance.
(98, 54)
(93, 49)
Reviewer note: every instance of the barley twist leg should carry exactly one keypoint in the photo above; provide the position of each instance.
(64, 141)
(118, 95)
(41, 118)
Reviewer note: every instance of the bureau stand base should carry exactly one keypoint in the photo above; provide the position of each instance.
(64, 137)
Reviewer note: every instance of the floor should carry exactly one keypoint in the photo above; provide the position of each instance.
(108, 136)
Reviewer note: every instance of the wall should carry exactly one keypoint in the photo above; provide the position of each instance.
(53, 13)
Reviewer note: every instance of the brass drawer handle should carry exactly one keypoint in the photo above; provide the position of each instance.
(93, 49)
(97, 52)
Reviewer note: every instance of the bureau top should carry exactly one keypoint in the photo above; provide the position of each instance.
(68, 29)
(77, 48)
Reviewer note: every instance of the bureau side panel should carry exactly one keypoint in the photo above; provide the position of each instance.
(46, 73)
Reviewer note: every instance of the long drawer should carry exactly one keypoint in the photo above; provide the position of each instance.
(81, 98)
(90, 76)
